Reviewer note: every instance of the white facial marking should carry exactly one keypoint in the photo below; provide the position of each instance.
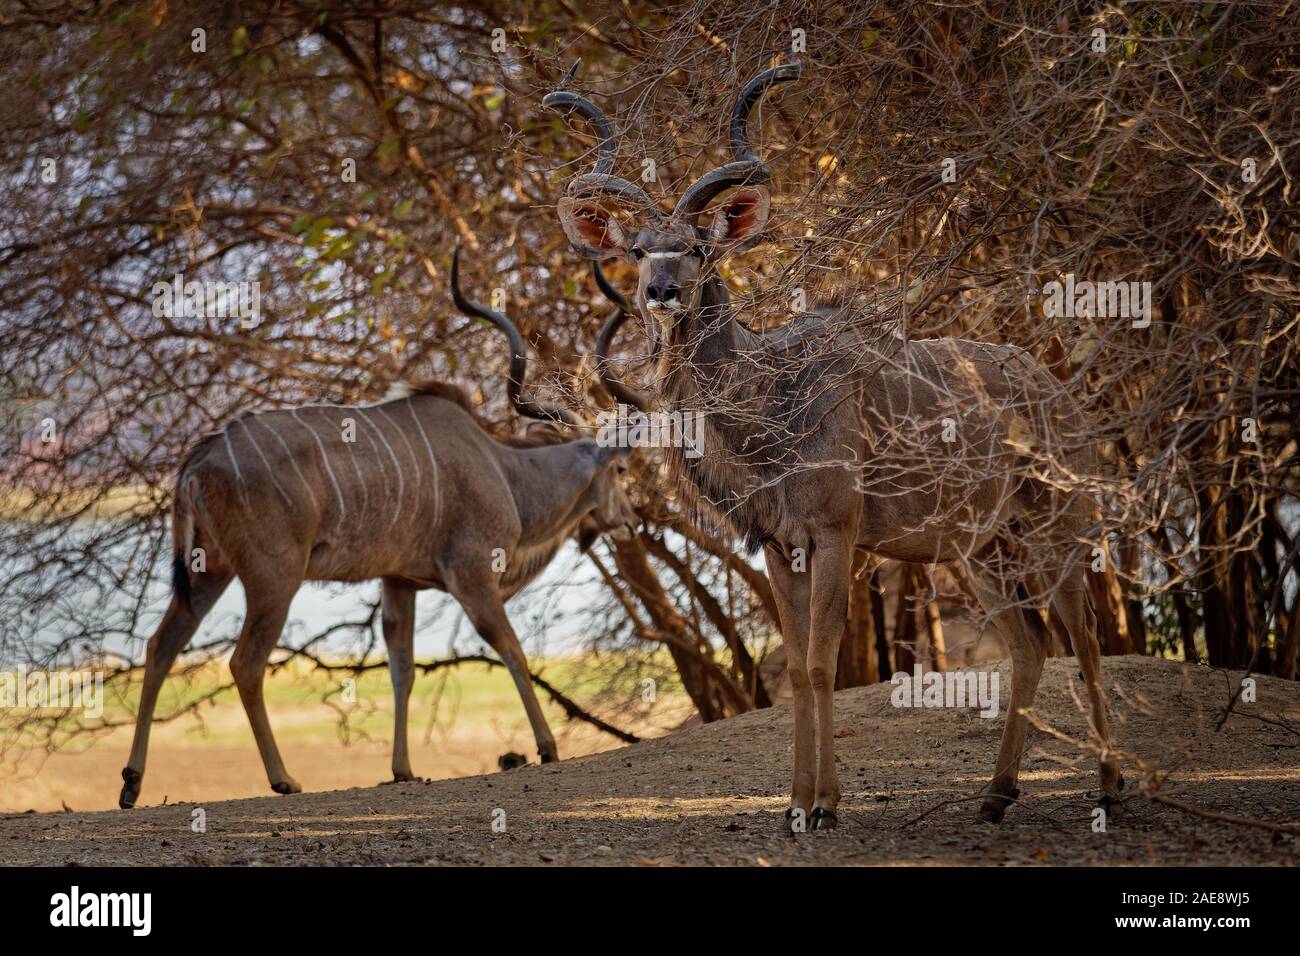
(667, 255)
(669, 305)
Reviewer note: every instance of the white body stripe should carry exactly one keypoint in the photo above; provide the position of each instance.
(239, 478)
(294, 461)
(343, 510)
(433, 462)
(419, 472)
(352, 457)
(269, 470)
(401, 482)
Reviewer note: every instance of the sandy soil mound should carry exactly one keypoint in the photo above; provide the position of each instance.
(715, 794)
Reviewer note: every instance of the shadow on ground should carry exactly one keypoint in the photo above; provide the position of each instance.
(715, 794)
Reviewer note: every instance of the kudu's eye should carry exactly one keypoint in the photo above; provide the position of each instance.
(638, 253)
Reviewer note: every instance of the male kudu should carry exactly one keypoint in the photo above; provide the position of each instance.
(830, 434)
(416, 491)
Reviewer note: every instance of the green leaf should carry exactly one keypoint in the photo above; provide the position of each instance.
(239, 42)
(378, 282)
(403, 208)
(316, 234)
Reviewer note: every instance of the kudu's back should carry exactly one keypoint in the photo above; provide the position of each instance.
(947, 438)
(353, 492)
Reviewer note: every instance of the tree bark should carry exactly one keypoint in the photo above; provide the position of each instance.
(858, 665)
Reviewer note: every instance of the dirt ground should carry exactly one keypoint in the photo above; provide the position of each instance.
(714, 794)
(219, 761)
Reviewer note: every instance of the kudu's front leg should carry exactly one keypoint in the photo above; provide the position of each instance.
(832, 568)
(482, 603)
(399, 635)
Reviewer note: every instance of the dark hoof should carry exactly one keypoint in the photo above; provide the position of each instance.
(823, 819)
(549, 758)
(130, 788)
(286, 787)
(995, 806)
(1113, 805)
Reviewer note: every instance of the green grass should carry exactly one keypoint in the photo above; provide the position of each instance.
(308, 705)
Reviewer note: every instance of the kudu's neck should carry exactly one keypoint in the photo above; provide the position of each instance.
(550, 485)
(701, 363)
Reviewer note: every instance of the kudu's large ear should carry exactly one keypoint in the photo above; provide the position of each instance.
(592, 229)
(740, 221)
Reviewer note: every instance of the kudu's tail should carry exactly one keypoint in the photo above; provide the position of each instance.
(182, 543)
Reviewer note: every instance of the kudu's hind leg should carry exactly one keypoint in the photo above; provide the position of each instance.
(269, 597)
(399, 635)
(1070, 613)
(174, 631)
(1028, 651)
(792, 591)
(482, 603)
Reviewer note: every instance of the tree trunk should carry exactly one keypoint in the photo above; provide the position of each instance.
(711, 690)
(858, 665)
(1112, 614)
(1186, 626)
(877, 594)
(905, 629)
(743, 662)
(934, 631)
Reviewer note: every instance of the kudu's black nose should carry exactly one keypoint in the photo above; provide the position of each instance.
(662, 291)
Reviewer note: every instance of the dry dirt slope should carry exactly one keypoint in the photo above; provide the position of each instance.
(714, 795)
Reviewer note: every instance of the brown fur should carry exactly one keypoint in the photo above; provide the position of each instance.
(537, 436)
